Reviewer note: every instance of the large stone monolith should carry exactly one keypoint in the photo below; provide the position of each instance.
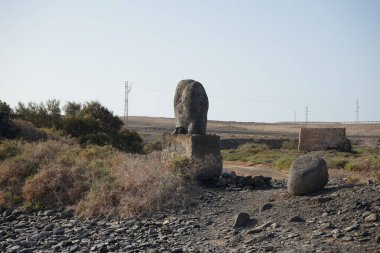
(190, 108)
(189, 139)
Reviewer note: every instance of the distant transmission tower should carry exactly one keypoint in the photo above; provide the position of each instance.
(306, 114)
(357, 110)
(295, 116)
(127, 90)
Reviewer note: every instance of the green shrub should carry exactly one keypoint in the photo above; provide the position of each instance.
(5, 109)
(292, 144)
(284, 162)
(243, 152)
(76, 126)
(41, 115)
(128, 141)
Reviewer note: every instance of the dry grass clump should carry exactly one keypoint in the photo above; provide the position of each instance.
(23, 164)
(55, 187)
(93, 180)
(369, 166)
(139, 185)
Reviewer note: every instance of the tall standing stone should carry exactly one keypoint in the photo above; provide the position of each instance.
(189, 139)
(190, 108)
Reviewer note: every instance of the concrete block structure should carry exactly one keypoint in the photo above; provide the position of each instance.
(313, 139)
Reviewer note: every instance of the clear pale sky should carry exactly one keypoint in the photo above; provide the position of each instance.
(258, 60)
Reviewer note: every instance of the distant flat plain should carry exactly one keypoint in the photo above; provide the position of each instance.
(151, 128)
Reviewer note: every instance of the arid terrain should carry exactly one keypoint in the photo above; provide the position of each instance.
(151, 128)
(343, 217)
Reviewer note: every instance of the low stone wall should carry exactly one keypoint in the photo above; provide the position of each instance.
(203, 152)
(312, 139)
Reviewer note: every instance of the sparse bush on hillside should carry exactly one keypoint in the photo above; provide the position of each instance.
(91, 123)
(41, 115)
(72, 109)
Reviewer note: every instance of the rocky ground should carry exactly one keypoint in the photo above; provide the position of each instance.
(341, 218)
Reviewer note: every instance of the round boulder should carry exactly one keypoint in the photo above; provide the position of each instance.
(307, 175)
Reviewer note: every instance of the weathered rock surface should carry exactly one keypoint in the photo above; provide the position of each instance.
(203, 152)
(190, 108)
(307, 175)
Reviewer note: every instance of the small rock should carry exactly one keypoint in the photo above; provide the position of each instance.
(265, 207)
(371, 218)
(336, 233)
(241, 220)
(274, 226)
(17, 212)
(296, 219)
(67, 214)
(326, 225)
(347, 238)
(49, 212)
(351, 228)
(176, 250)
(255, 231)
(49, 227)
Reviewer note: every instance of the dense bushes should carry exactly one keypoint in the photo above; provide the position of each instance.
(90, 123)
(5, 109)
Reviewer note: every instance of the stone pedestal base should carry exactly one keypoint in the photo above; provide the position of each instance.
(203, 152)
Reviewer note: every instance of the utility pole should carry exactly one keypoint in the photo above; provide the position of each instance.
(295, 116)
(357, 110)
(306, 114)
(127, 90)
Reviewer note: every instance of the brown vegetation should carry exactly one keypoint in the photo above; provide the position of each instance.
(93, 180)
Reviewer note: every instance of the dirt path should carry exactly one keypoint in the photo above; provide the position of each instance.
(245, 170)
(254, 170)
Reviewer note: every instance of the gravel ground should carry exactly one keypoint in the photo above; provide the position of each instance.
(341, 218)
